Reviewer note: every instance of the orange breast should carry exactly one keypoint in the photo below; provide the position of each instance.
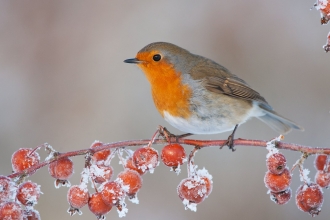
(168, 91)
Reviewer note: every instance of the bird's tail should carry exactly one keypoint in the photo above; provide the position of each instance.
(278, 122)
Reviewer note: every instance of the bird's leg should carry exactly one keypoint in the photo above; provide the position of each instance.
(168, 135)
(230, 140)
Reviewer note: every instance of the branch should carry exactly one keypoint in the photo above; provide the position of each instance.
(197, 143)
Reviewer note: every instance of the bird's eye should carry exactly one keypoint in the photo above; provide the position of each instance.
(157, 57)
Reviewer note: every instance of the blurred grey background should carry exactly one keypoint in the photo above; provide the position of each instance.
(63, 81)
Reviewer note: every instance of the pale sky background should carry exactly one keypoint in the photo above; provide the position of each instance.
(63, 81)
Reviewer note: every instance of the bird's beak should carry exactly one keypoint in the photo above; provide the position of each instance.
(132, 60)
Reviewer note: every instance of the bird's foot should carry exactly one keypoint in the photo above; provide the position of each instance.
(230, 141)
(171, 137)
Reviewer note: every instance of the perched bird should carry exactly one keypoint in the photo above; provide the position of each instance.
(199, 96)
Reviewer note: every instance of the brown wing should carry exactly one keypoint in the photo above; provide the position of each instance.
(218, 79)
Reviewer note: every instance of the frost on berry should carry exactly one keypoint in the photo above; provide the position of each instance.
(62, 170)
(11, 210)
(146, 158)
(173, 155)
(24, 158)
(204, 175)
(131, 165)
(320, 161)
(282, 197)
(101, 173)
(322, 178)
(327, 46)
(113, 193)
(28, 193)
(97, 206)
(77, 197)
(276, 163)
(324, 7)
(100, 156)
(192, 191)
(309, 198)
(31, 214)
(132, 180)
(278, 183)
(7, 189)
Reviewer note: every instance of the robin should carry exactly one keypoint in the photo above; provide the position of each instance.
(199, 96)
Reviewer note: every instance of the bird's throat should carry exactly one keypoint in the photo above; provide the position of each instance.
(168, 92)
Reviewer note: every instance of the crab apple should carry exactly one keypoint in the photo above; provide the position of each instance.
(101, 173)
(324, 7)
(97, 206)
(146, 158)
(24, 158)
(320, 161)
(100, 155)
(309, 198)
(77, 196)
(31, 214)
(276, 163)
(131, 165)
(61, 169)
(327, 46)
(322, 178)
(278, 183)
(28, 193)
(132, 179)
(208, 184)
(7, 187)
(11, 210)
(112, 193)
(193, 190)
(173, 155)
(281, 198)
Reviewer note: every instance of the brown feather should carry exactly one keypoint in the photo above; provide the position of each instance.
(218, 79)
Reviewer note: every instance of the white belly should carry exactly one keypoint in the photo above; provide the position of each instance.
(211, 125)
(195, 126)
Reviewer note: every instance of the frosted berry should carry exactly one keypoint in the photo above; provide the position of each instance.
(31, 214)
(97, 206)
(28, 193)
(320, 161)
(324, 7)
(101, 173)
(61, 169)
(173, 155)
(146, 158)
(278, 183)
(322, 178)
(77, 196)
(112, 193)
(131, 165)
(132, 179)
(24, 159)
(195, 191)
(309, 198)
(11, 210)
(208, 184)
(100, 155)
(281, 198)
(6, 189)
(276, 163)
